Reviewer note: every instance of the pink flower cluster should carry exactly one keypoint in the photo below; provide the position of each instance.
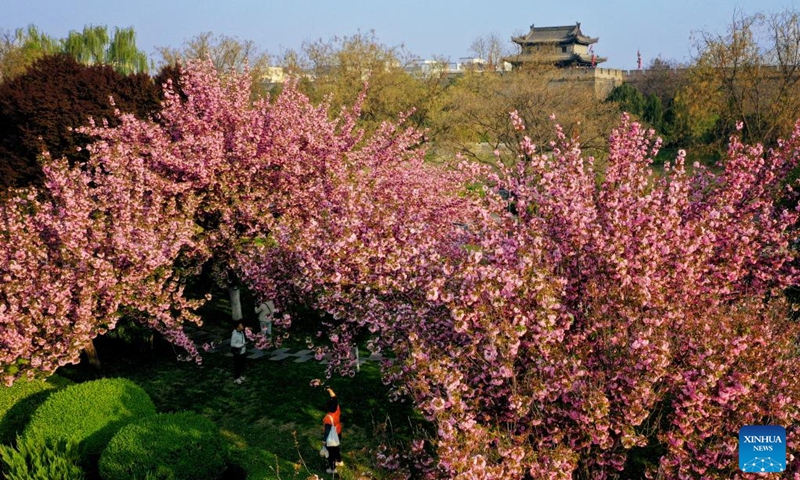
(613, 308)
(551, 319)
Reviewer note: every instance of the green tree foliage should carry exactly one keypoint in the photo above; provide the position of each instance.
(93, 46)
(18, 50)
(653, 111)
(663, 109)
(677, 128)
(88, 47)
(40, 110)
(629, 99)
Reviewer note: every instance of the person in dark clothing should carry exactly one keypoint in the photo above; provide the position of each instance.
(238, 349)
(332, 421)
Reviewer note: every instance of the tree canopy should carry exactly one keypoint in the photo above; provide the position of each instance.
(554, 315)
(42, 109)
(93, 46)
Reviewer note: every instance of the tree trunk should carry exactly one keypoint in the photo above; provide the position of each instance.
(236, 303)
(91, 355)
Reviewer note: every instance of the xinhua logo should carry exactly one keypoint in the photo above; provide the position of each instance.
(762, 448)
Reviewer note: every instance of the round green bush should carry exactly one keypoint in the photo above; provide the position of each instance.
(90, 413)
(167, 446)
(20, 400)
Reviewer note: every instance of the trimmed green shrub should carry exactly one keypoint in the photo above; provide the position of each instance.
(90, 413)
(20, 400)
(167, 446)
(35, 458)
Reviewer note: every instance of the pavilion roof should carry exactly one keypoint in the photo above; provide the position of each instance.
(563, 35)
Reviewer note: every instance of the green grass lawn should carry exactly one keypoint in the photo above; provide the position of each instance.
(274, 419)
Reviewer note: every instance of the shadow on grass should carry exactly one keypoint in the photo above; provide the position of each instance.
(28, 397)
(273, 421)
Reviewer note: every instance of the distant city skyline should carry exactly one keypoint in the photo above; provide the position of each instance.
(428, 29)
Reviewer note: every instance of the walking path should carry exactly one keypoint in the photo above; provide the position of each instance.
(222, 345)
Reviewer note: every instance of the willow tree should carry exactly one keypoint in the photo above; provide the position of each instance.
(95, 46)
(19, 49)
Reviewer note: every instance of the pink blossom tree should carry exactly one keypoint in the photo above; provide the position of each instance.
(114, 235)
(612, 310)
(214, 175)
(103, 237)
(607, 310)
(551, 319)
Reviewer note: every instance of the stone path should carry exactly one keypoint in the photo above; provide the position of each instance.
(201, 337)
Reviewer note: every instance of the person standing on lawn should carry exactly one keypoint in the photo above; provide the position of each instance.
(265, 311)
(238, 349)
(331, 440)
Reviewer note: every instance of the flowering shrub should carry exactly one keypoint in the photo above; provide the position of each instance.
(611, 310)
(553, 319)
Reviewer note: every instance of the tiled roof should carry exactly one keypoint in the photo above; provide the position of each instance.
(563, 34)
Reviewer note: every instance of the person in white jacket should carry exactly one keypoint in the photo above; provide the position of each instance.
(238, 349)
(266, 311)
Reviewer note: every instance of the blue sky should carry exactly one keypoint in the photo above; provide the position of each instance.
(426, 28)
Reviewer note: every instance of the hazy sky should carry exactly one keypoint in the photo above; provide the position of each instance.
(427, 28)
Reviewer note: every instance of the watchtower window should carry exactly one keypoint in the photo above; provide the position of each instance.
(563, 49)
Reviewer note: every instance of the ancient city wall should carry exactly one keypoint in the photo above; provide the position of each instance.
(604, 80)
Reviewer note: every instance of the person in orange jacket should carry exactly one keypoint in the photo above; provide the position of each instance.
(332, 421)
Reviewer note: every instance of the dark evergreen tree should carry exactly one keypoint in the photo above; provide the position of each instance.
(653, 112)
(629, 99)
